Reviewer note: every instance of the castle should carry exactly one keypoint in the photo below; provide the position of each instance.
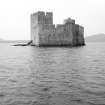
(45, 33)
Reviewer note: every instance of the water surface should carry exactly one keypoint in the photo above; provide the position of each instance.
(52, 76)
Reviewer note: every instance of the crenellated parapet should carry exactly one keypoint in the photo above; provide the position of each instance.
(69, 20)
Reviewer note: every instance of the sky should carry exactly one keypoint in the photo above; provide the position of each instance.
(15, 15)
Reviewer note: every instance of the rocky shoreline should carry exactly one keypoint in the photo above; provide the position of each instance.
(26, 44)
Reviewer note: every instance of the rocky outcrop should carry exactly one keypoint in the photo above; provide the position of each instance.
(26, 44)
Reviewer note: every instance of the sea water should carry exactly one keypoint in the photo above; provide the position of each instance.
(32, 75)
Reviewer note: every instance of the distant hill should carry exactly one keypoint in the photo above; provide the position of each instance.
(95, 38)
(14, 41)
(1, 40)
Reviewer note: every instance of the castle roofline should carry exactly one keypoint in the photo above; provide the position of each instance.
(38, 12)
(69, 20)
(79, 25)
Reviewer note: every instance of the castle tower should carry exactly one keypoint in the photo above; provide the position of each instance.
(36, 19)
(41, 18)
(79, 35)
(41, 26)
(49, 18)
(69, 30)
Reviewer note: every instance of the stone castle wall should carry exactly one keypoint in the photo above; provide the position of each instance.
(44, 32)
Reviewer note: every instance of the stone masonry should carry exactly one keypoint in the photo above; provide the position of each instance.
(45, 33)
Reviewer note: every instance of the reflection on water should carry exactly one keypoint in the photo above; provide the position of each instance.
(52, 76)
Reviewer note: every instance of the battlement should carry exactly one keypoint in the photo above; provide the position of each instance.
(43, 18)
(69, 20)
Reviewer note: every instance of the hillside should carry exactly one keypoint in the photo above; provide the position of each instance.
(95, 38)
(1, 40)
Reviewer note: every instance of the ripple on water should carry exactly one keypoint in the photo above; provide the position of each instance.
(52, 76)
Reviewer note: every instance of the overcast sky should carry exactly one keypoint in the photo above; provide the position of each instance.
(15, 15)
